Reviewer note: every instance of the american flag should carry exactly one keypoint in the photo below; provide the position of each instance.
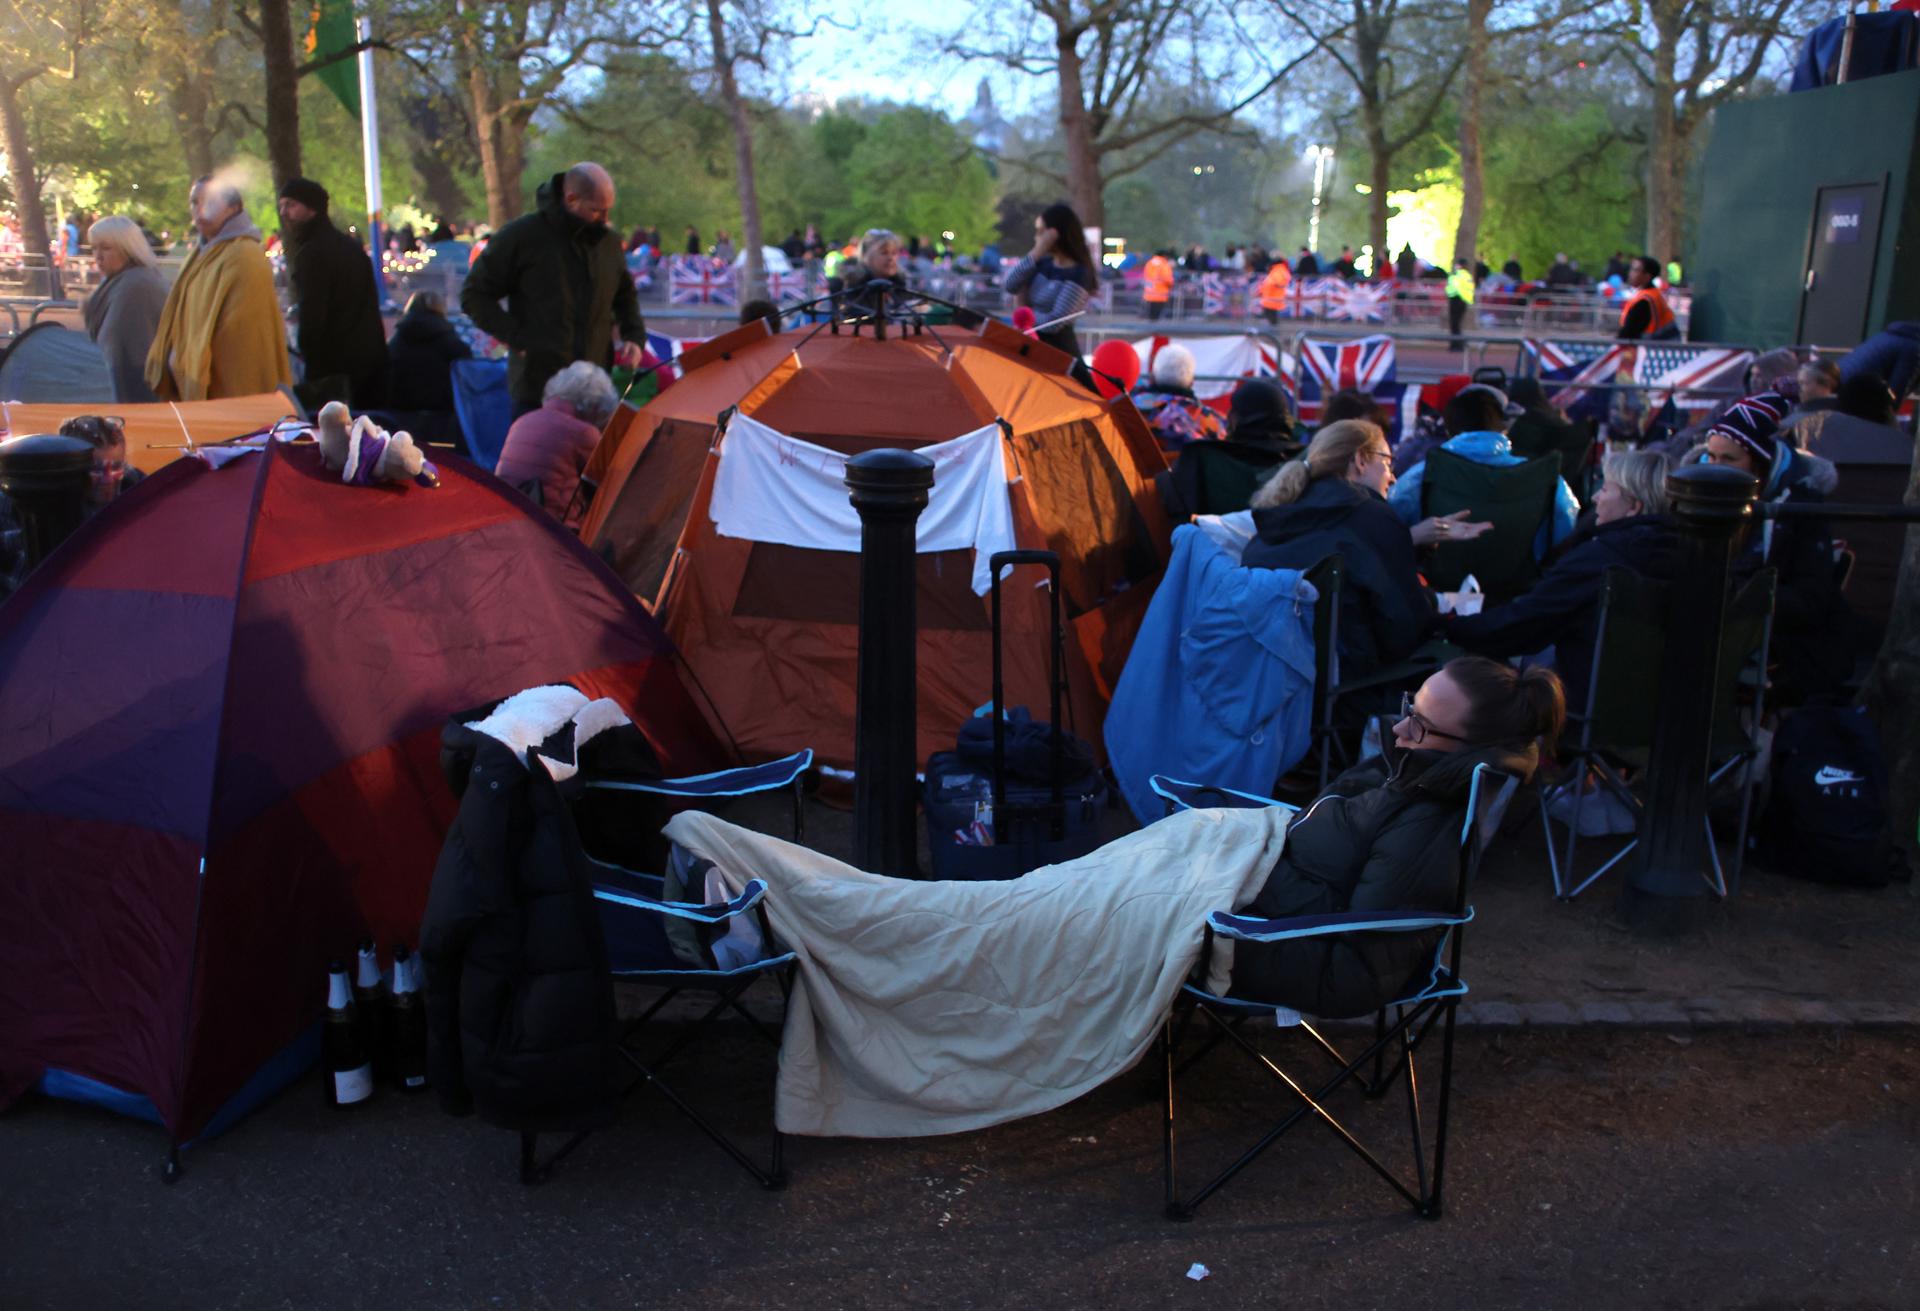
(699, 280)
(1692, 378)
(1326, 367)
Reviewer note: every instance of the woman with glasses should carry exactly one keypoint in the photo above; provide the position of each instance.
(113, 477)
(1385, 836)
(1332, 500)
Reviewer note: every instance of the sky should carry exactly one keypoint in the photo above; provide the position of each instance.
(883, 52)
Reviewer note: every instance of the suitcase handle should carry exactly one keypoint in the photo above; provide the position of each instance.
(1056, 768)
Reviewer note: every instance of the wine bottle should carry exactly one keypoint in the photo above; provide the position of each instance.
(349, 1071)
(370, 1007)
(407, 1024)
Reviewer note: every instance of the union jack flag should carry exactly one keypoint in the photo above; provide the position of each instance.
(699, 280)
(787, 288)
(1215, 295)
(1306, 298)
(1362, 364)
(1579, 376)
(1360, 302)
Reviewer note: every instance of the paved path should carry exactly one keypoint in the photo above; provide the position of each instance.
(1589, 1169)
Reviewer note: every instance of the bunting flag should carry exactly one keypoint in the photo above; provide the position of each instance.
(329, 31)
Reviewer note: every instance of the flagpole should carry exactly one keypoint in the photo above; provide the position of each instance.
(370, 155)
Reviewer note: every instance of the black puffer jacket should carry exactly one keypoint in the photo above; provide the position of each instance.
(1385, 612)
(1384, 836)
(566, 288)
(520, 1005)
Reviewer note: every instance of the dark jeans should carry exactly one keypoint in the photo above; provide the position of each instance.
(1155, 308)
(1456, 311)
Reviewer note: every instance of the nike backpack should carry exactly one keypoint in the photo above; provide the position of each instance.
(1827, 817)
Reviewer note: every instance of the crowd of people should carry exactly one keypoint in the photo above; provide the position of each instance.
(554, 288)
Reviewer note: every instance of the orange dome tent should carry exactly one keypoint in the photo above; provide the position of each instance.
(771, 629)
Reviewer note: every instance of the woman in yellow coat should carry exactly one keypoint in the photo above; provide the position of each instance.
(221, 332)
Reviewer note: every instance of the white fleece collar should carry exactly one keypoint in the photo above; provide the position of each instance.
(526, 719)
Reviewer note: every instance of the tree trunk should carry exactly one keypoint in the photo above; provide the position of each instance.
(187, 97)
(756, 284)
(1466, 238)
(1665, 171)
(283, 92)
(27, 203)
(1084, 189)
(1373, 126)
(501, 142)
(1893, 692)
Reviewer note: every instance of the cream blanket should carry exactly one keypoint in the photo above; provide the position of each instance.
(928, 1008)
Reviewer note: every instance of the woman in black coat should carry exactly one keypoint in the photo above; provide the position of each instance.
(1333, 500)
(1386, 836)
(1562, 609)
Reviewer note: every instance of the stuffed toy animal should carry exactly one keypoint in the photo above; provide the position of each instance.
(362, 452)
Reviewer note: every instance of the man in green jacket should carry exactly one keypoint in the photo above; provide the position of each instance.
(1460, 290)
(562, 275)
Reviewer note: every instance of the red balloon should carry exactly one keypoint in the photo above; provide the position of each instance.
(1116, 367)
(1023, 318)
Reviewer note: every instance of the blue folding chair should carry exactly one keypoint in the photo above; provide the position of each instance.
(1430, 999)
(1205, 796)
(484, 406)
(726, 784)
(641, 925)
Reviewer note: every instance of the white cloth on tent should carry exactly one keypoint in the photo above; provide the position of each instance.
(776, 488)
(928, 1008)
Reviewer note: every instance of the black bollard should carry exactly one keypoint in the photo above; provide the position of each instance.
(1669, 874)
(47, 478)
(889, 490)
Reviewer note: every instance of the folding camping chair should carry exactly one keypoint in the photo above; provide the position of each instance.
(1518, 500)
(645, 945)
(1431, 998)
(1614, 732)
(1329, 688)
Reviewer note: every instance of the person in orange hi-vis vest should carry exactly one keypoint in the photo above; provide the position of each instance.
(1157, 284)
(1273, 291)
(1646, 314)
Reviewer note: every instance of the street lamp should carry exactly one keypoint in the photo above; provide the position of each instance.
(1322, 157)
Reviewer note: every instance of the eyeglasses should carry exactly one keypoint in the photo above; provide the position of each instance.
(1422, 729)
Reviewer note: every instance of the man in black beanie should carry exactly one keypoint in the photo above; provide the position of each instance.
(339, 333)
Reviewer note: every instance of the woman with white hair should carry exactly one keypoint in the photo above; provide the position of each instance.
(1169, 406)
(1562, 610)
(124, 312)
(547, 448)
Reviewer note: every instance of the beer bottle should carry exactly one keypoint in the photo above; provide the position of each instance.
(407, 1025)
(370, 1007)
(349, 1072)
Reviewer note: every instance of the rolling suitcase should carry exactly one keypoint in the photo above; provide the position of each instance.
(983, 821)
